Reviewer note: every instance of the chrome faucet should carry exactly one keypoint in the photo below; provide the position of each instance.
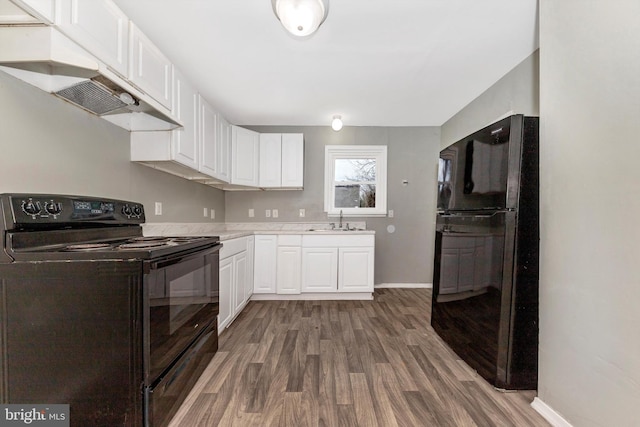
(340, 225)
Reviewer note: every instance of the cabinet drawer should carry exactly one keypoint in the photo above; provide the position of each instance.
(329, 241)
(289, 240)
(232, 247)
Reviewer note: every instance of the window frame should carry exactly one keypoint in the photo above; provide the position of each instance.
(335, 152)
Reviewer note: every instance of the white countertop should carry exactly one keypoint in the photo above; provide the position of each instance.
(228, 231)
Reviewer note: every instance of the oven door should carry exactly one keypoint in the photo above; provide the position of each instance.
(181, 301)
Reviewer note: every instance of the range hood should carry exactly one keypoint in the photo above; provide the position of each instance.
(45, 58)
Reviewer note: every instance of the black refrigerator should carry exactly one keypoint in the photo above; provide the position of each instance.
(485, 284)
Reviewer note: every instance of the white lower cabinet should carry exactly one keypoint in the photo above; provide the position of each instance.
(314, 266)
(355, 269)
(264, 271)
(288, 270)
(234, 279)
(319, 269)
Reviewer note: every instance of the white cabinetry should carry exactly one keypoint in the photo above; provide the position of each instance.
(149, 69)
(319, 269)
(184, 141)
(248, 289)
(208, 149)
(234, 273)
(338, 263)
(223, 149)
(266, 247)
(355, 269)
(288, 270)
(41, 9)
(270, 159)
(100, 27)
(281, 160)
(245, 157)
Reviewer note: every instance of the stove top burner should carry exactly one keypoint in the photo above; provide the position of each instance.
(145, 244)
(87, 247)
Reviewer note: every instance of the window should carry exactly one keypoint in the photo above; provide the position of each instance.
(355, 180)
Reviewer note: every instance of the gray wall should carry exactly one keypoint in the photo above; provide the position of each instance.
(405, 256)
(50, 146)
(515, 93)
(590, 205)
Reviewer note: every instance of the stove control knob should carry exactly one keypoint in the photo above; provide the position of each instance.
(53, 208)
(126, 210)
(137, 210)
(30, 207)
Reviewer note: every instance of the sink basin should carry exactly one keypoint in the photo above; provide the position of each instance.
(325, 230)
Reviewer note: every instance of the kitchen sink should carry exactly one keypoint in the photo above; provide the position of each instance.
(328, 230)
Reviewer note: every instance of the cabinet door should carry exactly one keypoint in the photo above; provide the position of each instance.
(223, 148)
(245, 152)
(264, 272)
(44, 9)
(240, 281)
(100, 27)
(289, 269)
(248, 289)
(184, 140)
(208, 148)
(355, 269)
(150, 70)
(225, 293)
(319, 269)
(270, 160)
(292, 160)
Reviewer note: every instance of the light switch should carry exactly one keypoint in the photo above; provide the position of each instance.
(158, 208)
(275, 213)
(251, 213)
(302, 213)
(390, 213)
(267, 213)
(205, 212)
(213, 214)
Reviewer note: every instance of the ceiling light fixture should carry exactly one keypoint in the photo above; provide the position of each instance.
(336, 123)
(301, 17)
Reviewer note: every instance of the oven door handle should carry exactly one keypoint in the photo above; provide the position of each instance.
(181, 258)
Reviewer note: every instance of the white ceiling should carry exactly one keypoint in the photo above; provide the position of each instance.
(375, 62)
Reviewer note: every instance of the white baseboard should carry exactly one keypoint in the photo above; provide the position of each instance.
(313, 296)
(405, 285)
(549, 414)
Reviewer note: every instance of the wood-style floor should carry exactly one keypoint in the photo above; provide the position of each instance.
(345, 363)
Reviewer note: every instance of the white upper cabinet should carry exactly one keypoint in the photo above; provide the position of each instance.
(223, 149)
(292, 160)
(100, 27)
(43, 10)
(208, 149)
(245, 157)
(184, 144)
(270, 160)
(281, 160)
(149, 69)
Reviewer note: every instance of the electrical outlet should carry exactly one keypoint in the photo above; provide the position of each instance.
(390, 213)
(275, 213)
(302, 213)
(252, 213)
(158, 208)
(213, 213)
(267, 213)
(205, 212)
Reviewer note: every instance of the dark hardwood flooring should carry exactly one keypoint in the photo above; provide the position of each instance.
(345, 363)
